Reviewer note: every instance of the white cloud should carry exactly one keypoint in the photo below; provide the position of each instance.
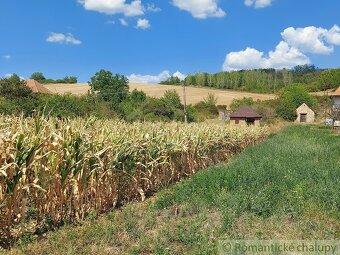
(248, 59)
(289, 52)
(153, 8)
(143, 24)
(258, 3)
(313, 39)
(200, 9)
(153, 79)
(62, 38)
(333, 35)
(284, 56)
(179, 75)
(7, 57)
(123, 22)
(135, 8)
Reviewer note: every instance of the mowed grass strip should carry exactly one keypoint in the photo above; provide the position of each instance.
(284, 175)
(286, 187)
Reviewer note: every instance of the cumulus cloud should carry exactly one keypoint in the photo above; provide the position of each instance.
(143, 24)
(247, 59)
(135, 8)
(200, 9)
(7, 57)
(153, 79)
(313, 39)
(258, 3)
(289, 52)
(333, 35)
(284, 56)
(62, 38)
(110, 7)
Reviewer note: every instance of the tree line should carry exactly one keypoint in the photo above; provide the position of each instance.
(265, 80)
(39, 77)
(109, 97)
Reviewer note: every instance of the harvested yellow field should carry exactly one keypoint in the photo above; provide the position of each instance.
(194, 95)
(76, 89)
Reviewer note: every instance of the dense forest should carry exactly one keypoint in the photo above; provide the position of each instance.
(265, 80)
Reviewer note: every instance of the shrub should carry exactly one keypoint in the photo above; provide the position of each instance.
(239, 102)
(292, 97)
(172, 99)
(155, 108)
(13, 87)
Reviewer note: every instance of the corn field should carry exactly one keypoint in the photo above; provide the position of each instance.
(59, 171)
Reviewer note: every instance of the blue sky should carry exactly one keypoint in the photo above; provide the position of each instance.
(149, 40)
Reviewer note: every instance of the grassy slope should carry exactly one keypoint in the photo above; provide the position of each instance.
(285, 187)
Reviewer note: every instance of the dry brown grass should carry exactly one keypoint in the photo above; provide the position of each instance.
(194, 95)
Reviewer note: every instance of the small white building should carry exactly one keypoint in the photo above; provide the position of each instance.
(336, 99)
(305, 114)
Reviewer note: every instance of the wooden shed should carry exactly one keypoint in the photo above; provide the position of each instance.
(305, 114)
(245, 116)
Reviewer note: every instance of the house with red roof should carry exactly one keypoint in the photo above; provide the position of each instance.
(36, 87)
(245, 116)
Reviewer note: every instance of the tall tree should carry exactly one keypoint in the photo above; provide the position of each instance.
(38, 76)
(113, 88)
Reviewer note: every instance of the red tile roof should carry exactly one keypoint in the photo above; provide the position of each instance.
(36, 87)
(245, 112)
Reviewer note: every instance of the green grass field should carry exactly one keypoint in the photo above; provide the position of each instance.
(286, 187)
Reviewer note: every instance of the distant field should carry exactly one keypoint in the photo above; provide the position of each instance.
(194, 95)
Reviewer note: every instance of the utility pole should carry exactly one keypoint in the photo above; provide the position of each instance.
(325, 100)
(275, 80)
(185, 103)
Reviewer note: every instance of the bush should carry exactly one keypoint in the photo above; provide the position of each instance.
(13, 87)
(155, 108)
(131, 108)
(66, 106)
(292, 97)
(7, 106)
(239, 102)
(172, 99)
